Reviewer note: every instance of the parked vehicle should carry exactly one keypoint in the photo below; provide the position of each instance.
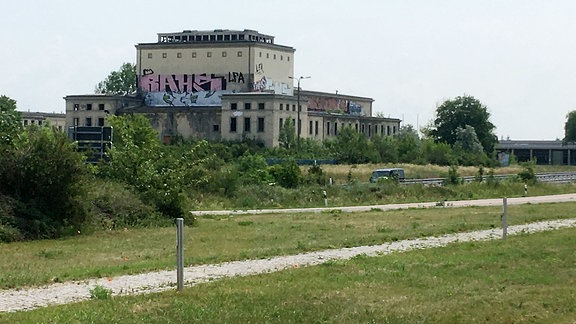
(391, 173)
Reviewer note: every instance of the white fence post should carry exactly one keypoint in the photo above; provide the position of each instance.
(180, 253)
(504, 223)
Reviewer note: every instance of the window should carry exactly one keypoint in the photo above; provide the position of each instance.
(261, 105)
(76, 107)
(246, 124)
(101, 121)
(281, 106)
(164, 55)
(274, 56)
(310, 128)
(76, 121)
(224, 54)
(88, 121)
(267, 55)
(39, 122)
(25, 122)
(233, 125)
(288, 58)
(281, 123)
(233, 106)
(293, 107)
(193, 54)
(327, 128)
(260, 124)
(215, 128)
(149, 55)
(363, 128)
(247, 105)
(356, 127)
(388, 130)
(88, 106)
(239, 54)
(394, 129)
(281, 57)
(369, 130)
(100, 106)
(316, 129)
(260, 54)
(178, 55)
(335, 128)
(209, 54)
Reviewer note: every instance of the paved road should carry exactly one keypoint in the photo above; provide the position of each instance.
(456, 203)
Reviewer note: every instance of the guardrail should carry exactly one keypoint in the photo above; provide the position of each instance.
(557, 177)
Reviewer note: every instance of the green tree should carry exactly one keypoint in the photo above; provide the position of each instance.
(437, 153)
(121, 82)
(352, 147)
(10, 120)
(287, 136)
(387, 148)
(460, 112)
(47, 177)
(570, 127)
(408, 144)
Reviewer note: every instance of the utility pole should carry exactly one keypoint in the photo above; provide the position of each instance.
(298, 123)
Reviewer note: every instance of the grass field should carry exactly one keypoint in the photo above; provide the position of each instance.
(224, 238)
(362, 172)
(525, 279)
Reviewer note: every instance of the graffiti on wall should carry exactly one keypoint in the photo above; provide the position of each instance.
(188, 89)
(335, 104)
(265, 84)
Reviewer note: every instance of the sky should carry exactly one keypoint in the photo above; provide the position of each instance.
(517, 57)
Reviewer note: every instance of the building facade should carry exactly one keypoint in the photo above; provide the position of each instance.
(55, 120)
(227, 85)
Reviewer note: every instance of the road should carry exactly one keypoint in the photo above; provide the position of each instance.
(351, 209)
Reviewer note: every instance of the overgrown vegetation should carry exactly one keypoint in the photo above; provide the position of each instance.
(47, 191)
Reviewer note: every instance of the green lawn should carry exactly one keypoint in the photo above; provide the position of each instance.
(224, 238)
(525, 279)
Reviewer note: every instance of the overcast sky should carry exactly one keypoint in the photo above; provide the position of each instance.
(518, 57)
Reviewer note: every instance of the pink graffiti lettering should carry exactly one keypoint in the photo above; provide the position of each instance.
(181, 82)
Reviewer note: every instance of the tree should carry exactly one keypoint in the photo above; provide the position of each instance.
(461, 112)
(408, 144)
(352, 147)
(468, 146)
(570, 127)
(10, 120)
(287, 136)
(43, 172)
(121, 82)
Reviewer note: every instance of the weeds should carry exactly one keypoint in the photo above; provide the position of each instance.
(100, 293)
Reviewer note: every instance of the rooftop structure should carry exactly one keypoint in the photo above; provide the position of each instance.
(216, 35)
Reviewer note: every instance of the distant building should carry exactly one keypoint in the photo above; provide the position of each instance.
(55, 120)
(227, 85)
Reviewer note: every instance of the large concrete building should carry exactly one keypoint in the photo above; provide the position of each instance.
(55, 120)
(227, 85)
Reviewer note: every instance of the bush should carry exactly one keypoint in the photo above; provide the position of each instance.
(287, 174)
(527, 174)
(46, 177)
(113, 206)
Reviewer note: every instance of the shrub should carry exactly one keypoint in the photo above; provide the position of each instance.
(46, 177)
(287, 174)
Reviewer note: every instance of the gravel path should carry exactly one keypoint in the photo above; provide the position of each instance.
(62, 293)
